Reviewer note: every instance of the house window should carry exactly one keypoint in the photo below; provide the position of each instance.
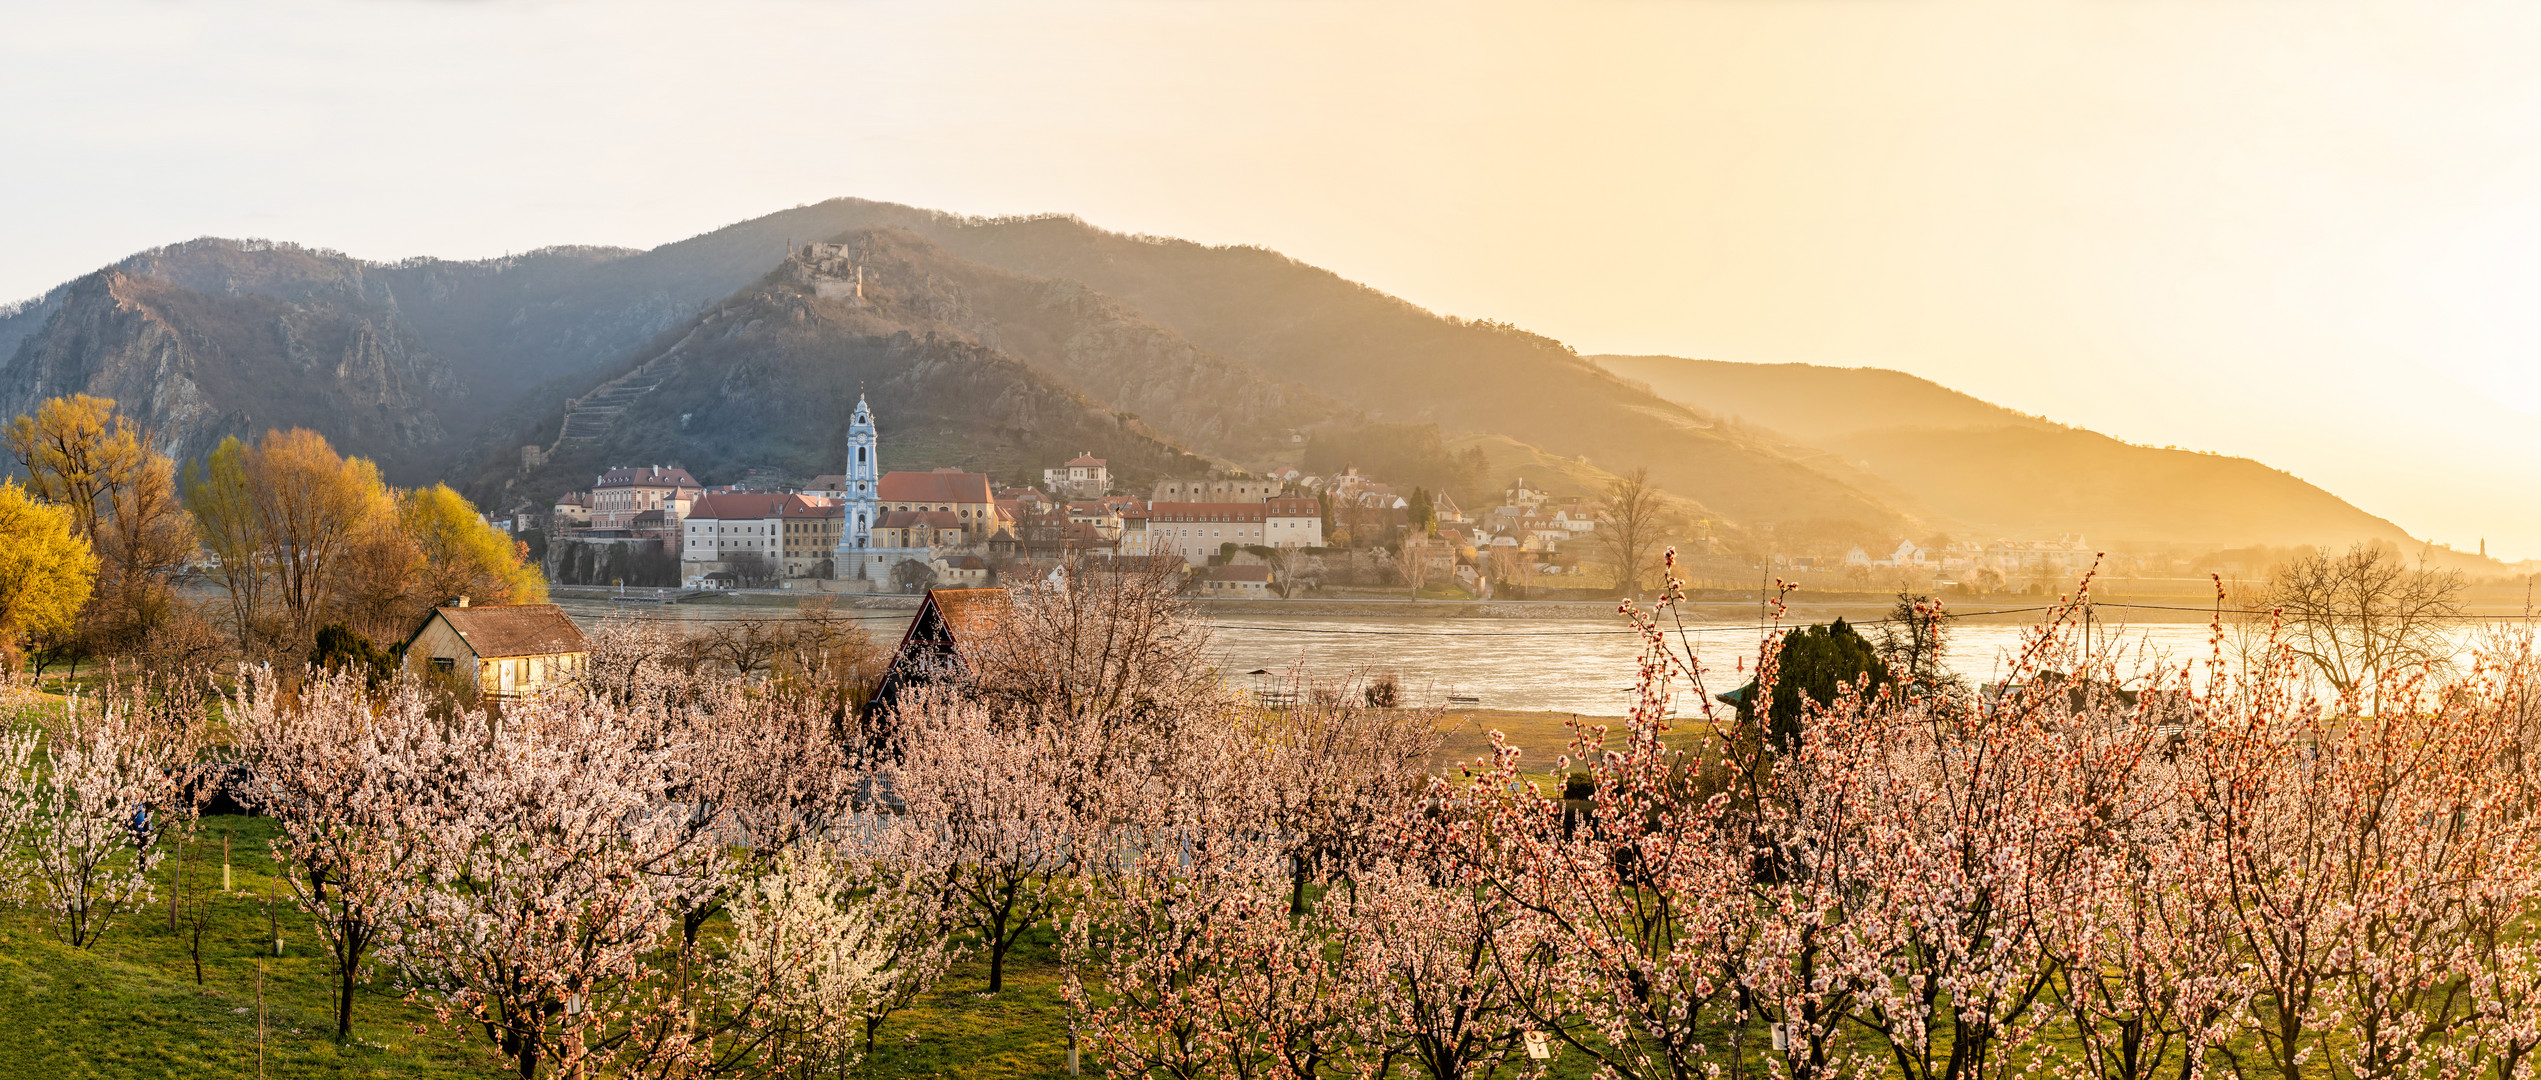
(444, 663)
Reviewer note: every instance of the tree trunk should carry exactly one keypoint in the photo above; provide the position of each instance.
(344, 1001)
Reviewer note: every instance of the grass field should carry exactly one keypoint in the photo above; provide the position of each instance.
(130, 1007)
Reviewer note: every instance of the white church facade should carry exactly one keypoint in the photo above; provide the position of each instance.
(890, 518)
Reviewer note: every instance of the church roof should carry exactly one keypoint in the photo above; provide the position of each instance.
(934, 487)
(941, 519)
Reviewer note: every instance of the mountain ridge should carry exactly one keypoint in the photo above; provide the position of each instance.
(1201, 356)
(1990, 467)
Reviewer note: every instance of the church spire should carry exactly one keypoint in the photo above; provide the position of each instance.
(863, 479)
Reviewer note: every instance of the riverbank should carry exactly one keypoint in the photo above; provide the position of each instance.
(1710, 608)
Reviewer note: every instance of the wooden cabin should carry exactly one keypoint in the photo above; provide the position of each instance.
(931, 649)
(502, 650)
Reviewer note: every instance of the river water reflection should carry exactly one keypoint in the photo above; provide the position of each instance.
(1584, 666)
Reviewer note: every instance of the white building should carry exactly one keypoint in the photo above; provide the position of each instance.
(1084, 477)
(1292, 523)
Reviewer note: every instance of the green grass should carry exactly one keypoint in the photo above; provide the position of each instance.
(130, 1007)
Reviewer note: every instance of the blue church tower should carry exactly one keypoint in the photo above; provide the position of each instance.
(863, 486)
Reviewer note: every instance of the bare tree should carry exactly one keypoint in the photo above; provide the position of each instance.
(750, 644)
(1413, 559)
(1630, 534)
(1114, 641)
(751, 570)
(1513, 567)
(912, 575)
(2365, 614)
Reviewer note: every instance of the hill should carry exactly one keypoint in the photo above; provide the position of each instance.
(1140, 348)
(1384, 359)
(406, 363)
(1997, 471)
(765, 376)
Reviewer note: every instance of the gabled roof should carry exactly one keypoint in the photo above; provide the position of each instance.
(1086, 461)
(499, 630)
(648, 476)
(1292, 507)
(736, 506)
(934, 487)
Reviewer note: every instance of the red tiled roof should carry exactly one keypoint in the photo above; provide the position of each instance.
(1292, 507)
(1086, 461)
(971, 613)
(934, 487)
(757, 505)
(501, 630)
(738, 505)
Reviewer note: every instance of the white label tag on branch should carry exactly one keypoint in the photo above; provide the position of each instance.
(1538, 1046)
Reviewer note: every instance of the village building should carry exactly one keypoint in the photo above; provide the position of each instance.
(500, 650)
(792, 536)
(621, 494)
(1196, 530)
(1133, 534)
(1100, 515)
(891, 518)
(2067, 555)
(1292, 523)
(948, 623)
(1083, 477)
(1235, 581)
(961, 570)
(570, 514)
(1197, 491)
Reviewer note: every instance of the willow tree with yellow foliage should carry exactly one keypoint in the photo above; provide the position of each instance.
(46, 570)
(304, 536)
(121, 494)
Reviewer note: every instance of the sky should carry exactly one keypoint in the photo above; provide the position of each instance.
(2303, 231)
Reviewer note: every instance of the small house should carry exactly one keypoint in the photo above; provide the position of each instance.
(1236, 581)
(947, 622)
(502, 650)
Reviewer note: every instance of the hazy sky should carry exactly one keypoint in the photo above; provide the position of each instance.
(2301, 231)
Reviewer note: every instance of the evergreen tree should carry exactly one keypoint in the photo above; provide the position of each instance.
(1817, 664)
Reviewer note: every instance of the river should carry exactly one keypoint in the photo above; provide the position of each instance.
(1584, 666)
